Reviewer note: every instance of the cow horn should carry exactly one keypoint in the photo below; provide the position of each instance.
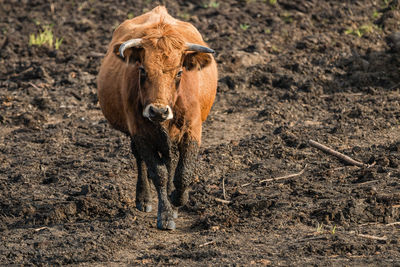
(128, 44)
(198, 48)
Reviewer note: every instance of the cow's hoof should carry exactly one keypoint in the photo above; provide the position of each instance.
(145, 207)
(179, 199)
(167, 225)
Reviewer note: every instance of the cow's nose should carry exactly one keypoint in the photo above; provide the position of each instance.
(157, 112)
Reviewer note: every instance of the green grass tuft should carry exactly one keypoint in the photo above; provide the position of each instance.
(212, 4)
(45, 37)
(361, 31)
(244, 26)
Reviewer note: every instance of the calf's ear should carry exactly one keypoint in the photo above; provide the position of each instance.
(196, 60)
(131, 55)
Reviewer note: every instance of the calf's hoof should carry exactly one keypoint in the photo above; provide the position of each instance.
(145, 207)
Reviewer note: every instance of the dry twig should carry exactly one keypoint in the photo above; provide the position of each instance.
(380, 238)
(222, 200)
(380, 224)
(207, 243)
(95, 54)
(393, 223)
(368, 182)
(41, 228)
(223, 187)
(336, 154)
(284, 177)
(34, 86)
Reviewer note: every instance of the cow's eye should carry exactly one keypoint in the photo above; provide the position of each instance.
(179, 74)
(142, 71)
(142, 74)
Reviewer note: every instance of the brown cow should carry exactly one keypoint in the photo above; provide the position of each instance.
(157, 84)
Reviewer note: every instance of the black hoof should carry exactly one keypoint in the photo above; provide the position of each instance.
(168, 225)
(144, 207)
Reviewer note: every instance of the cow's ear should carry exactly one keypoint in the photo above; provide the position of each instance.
(131, 55)
(196, 60)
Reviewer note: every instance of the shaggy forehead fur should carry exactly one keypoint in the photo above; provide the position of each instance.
(163, 44)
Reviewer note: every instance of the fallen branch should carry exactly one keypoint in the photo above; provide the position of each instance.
(222, 200)
(336, 154)
(284, 177)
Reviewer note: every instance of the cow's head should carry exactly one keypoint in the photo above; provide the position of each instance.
(161, 57)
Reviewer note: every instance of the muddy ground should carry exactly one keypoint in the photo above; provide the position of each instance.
(289, 72)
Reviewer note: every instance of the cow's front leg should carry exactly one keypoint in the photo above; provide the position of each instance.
(186, 171)
(171, 166)
(165, 216)
(143, 190)
(157, 172)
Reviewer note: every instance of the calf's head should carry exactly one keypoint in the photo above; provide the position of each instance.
(161, 57)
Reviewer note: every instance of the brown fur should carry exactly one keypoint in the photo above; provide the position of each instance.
(149, 75)
(162, 56)
(163, 37)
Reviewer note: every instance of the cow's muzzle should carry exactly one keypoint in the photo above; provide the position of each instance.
(157, 112)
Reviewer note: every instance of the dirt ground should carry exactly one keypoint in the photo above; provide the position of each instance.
(289, 72)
